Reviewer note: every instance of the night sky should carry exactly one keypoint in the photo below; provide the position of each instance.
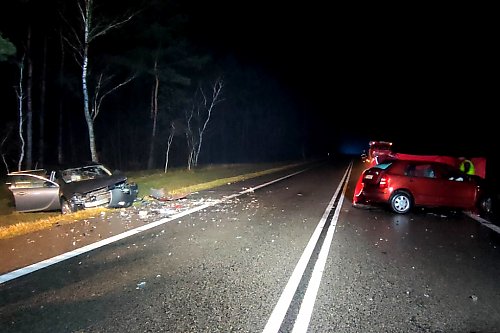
(421, 77)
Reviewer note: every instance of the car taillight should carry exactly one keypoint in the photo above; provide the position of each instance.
(384, 182)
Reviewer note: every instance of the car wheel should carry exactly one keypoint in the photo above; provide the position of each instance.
(401, 202)
(67, 207)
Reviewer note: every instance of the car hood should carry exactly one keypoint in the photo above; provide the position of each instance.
(90, 185)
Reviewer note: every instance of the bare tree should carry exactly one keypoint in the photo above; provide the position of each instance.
(102, 90)
(190, 137)
(80, 42)
(169, 144)
(198, 117)
(20, 98)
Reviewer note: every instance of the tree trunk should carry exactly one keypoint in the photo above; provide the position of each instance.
(88, 116)
(190, 137)
(215, 98)
(91, 31)
(20, 98)
(169, 144)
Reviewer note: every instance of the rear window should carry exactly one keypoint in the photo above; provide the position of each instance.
(384, 166)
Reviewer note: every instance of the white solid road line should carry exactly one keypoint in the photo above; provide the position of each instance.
(54, 260)
(484, 222)
(275, 320)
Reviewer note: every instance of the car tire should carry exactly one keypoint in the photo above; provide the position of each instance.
(401, 202)
(67, 207)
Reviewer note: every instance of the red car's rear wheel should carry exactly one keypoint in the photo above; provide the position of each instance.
(401, 202)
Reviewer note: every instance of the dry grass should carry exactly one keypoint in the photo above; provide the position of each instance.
(22, 228)
(175, 183)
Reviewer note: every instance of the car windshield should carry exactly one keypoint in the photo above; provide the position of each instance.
(84, 173)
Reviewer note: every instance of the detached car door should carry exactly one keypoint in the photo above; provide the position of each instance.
(33, 192)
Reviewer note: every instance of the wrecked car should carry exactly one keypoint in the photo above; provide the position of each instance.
(70, 189)
(403, 184)
(404, 181)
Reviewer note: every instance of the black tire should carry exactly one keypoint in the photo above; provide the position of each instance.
(401, 202)
(67, 207)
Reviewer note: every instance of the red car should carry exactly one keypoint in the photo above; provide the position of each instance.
(405, 184)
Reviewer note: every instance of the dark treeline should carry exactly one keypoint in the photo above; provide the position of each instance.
(163, 46)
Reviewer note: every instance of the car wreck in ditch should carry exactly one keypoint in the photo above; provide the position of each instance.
(70, 189)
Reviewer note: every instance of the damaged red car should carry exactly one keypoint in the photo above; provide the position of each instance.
(402, 184)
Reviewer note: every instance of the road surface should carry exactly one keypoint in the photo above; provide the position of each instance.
(281, 253)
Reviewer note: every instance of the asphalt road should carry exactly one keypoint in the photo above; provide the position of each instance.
(293, 255)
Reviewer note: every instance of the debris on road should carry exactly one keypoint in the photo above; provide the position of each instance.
(159, 194)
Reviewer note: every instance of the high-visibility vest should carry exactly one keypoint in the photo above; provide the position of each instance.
(471, 170)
